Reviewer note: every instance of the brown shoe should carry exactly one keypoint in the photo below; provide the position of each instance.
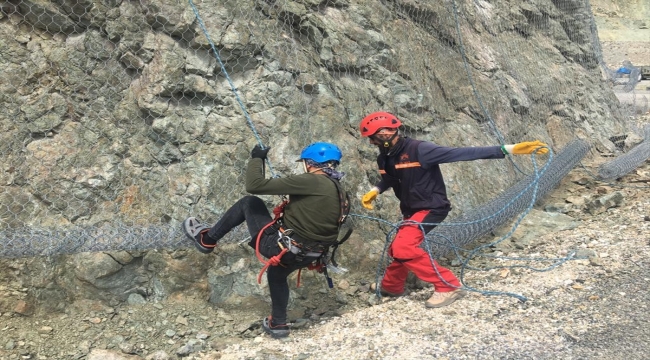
(373, 288)
(440, 299)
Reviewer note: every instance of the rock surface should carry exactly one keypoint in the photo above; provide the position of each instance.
(168, 304)
(591, 306)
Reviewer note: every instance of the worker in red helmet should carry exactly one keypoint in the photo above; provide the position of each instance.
(412, 169)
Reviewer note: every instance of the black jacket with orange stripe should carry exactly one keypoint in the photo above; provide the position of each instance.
(412, 169)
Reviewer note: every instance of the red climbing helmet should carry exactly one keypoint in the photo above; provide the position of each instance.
(378, 120)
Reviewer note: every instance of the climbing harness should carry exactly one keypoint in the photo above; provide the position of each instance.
(344, 202)
(290, 241)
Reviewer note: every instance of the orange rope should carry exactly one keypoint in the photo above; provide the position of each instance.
(257, 242)
(318, 266)
(298, 281)
(274, 261)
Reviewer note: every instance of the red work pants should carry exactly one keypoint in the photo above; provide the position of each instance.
(409, 256)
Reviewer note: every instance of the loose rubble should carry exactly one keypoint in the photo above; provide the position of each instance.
(592, 306)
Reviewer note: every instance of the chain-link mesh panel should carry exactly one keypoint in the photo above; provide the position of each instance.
(627, 162)
(120, 119)
(26, 242)
(478, 222)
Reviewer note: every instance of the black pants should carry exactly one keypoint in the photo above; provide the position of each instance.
(253, 210)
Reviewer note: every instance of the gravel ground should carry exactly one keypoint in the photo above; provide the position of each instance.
(593, 308)
(584, 309)
(589, 308)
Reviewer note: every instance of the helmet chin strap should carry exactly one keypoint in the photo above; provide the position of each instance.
(304, 166)
(386, 144)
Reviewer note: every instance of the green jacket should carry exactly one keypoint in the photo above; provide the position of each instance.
(314, 207)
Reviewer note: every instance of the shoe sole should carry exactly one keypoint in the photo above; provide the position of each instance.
(185, 227)
(276, 334)
(384, 292)
(459, 295)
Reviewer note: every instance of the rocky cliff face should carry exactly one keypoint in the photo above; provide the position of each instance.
(120, 112)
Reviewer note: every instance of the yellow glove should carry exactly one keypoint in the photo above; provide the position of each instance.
(524, 148)
(369, 197)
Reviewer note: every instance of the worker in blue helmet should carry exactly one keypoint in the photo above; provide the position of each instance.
(321, 156)
(303, 230)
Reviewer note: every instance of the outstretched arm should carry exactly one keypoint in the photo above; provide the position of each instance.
(430, 154)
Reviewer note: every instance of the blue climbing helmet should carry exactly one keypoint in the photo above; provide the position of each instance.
(321, 152)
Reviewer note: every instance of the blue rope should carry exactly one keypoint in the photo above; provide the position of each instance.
(395, 227)
(461, 48)
(479, 99)
(232, 85)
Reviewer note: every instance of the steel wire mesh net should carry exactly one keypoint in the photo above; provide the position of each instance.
(123, 118)
(627, 162)
(478, 222)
